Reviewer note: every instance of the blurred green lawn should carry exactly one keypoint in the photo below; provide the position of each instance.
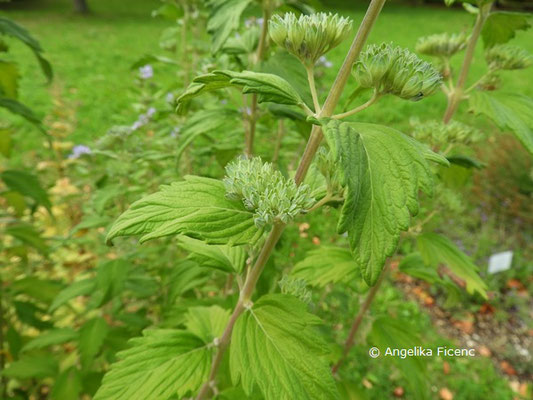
(92, 55)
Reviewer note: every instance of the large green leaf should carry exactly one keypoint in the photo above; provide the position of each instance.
(268, 87)
(10, 28)
(382, 170)
(195, 207)
(509, 111)
(159, 365)
(226, 258)
(501, 27)
(274, 346)
(436, 249)
(327, 265)
(224, 17)
(207, 323)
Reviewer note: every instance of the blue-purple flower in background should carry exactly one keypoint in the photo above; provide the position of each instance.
(146, 72)
(78, 151)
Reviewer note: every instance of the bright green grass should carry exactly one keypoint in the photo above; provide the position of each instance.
(92, 57)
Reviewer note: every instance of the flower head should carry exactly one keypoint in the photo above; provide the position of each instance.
(442, 45)
(508, 57)
(397, 71)
(78, 151)
(453, 132)
(265, 191)
(146, 72)
(309, 37)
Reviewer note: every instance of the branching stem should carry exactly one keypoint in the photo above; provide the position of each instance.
(312, 87)
(456, 94)
(375, 97)
(358, 318)
(312, 145)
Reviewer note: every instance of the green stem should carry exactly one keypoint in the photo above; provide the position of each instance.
(456, 95)
(375, 97)
(312, 145)
(260, 54)
(312, 86)
(358, 319)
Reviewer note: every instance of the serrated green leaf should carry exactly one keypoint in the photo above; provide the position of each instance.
(509, 111)
(224, 18)
(383, 170)
(268, 87)
(26, 184)
(31, 367)
(502, 26)
(436, 249)
(223, 257)
(274, 346)
(91, 339)
(50, 338)
(68, 385)
(160, 364)
(207, 323)
(79, 288)
(327, 265)
(196, 207)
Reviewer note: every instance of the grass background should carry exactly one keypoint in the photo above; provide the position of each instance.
(91, 56)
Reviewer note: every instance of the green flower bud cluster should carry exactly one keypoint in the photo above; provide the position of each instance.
(442, 45)
(309, 37)
(265, 191)
(453, 132)
(391, 69)
(295, 287)
(508, 57)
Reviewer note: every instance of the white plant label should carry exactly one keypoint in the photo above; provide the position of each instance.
(500, 262)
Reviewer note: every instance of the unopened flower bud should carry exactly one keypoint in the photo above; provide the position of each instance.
(309, 37)
(508, 57)
(442, 45)
(397, 71)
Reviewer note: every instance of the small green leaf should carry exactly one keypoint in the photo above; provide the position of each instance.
(207, 323)
(509, 111)
(502, 26)
(68, 385)
(28, 235)
(274, 346)
(465, 161)
(91, 339)
(413, 265)
(8, 79)
(383, 170)
(82, 287)
(223, 257)
(160, 365)
(436, 249)
(50, 338)
(224, 18)
(21, 110)
(26, 184)
(195, 207)
(327, 265)
(31, 367)
(10, 28)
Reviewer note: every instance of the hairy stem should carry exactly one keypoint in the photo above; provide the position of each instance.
(259, 55)
(312, 87)
(456, 94)
(375, 97)
(312, 145)
(358, 319)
